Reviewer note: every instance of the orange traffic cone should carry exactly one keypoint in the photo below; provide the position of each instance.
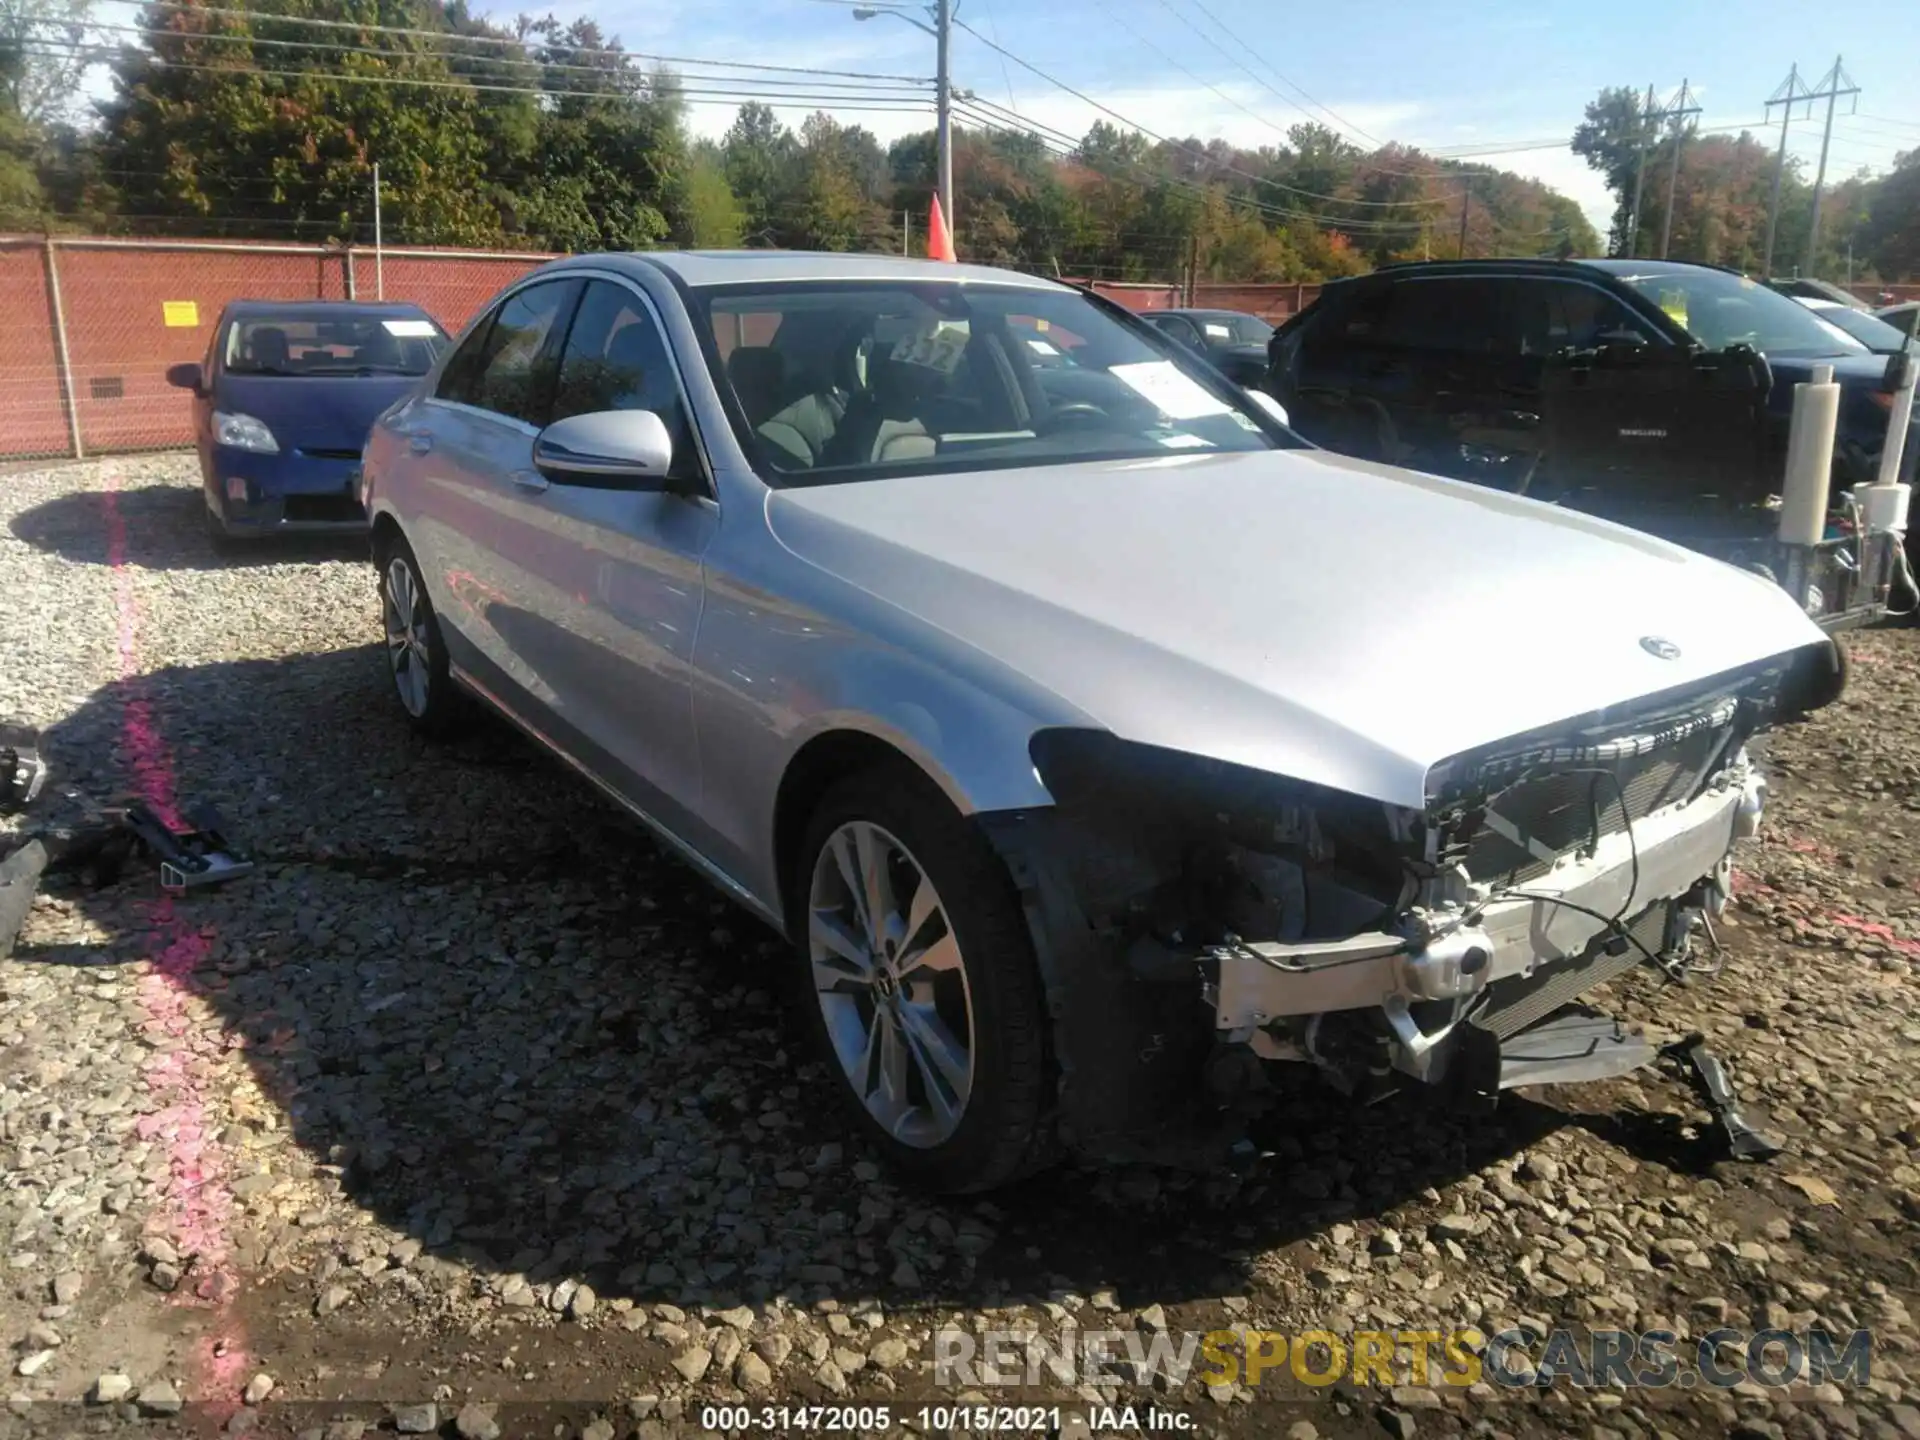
(939, 238)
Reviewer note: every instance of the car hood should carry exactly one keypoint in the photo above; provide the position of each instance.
(317, 412)
(1296, 611)
(1851, 370)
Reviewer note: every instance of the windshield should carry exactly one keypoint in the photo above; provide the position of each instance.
(1870, 330)
(1239, 329)
(333, 345)
(834, 382)
(1719, 309)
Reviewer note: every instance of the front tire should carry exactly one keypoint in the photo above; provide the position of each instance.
(219, 538)
(415, 648)
(920, 984)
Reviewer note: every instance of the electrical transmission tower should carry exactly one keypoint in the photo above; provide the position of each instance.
(1793, 91)
(1649, 122)
(1677, 112)
(1833, 85)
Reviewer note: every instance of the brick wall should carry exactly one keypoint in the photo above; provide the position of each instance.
(115, 299)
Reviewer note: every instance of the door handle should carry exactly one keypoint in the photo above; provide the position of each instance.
(529, 480)
(420, 442)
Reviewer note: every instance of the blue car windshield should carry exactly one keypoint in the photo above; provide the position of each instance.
(345, 344)
(839, 381)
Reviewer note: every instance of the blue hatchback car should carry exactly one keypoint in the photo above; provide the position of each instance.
(282, 406)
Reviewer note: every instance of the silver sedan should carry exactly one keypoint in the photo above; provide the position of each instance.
(1108, 754)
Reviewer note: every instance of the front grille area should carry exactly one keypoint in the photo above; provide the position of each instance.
(1515, 1004)
(1535, 821)
(312, 509)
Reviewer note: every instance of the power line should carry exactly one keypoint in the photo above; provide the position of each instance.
(1062, 146)
(1180, 145)
(453, 37)
(1221, 25)
(1153, 46)
(693, 95)
(185, 38)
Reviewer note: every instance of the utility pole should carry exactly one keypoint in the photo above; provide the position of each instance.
(943, 105)
(1466, 199)
(941, 13)
(1677, 112)
(906, 232)
(1831, 89)
(1792, 90)
(1649, 122)
(379, 250)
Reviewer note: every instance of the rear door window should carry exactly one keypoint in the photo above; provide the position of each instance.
(1452, 316)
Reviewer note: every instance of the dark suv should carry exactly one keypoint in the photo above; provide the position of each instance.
(1650, 392)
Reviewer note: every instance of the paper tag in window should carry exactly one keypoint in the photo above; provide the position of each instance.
(1219, 332)
(1041, 347)
(409, 329)
(1170, 392)
(936, 350)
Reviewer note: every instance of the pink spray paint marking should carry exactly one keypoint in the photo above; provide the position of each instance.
(196, 1203)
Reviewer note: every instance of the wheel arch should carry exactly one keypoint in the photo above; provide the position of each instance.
(384, 530)
(822, 760)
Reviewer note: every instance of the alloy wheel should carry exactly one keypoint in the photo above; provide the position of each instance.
(409, 650)
(891, 984)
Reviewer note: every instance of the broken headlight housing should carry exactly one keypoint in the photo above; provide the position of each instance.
(1206, 850)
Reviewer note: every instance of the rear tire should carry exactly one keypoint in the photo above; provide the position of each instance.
(416, 650)
(929, 1020)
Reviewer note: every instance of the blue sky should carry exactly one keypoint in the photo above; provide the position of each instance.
(1440, 76)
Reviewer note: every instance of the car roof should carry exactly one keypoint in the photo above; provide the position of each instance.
(335, 309)
(701, 268)
(1208, 313)
(1653, 267)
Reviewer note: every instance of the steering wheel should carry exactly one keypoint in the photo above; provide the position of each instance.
(1077, 410)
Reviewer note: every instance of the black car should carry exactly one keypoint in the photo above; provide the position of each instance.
(1235, 343)
(1863, 325)
(1683, 375)
(1806, 288)
(1652, 393)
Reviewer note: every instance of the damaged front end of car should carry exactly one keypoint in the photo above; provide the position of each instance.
(1200, 925)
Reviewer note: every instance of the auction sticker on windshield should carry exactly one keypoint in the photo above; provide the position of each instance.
(1174, 395)
(409, 329)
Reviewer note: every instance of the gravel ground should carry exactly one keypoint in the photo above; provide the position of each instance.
(471, 1098)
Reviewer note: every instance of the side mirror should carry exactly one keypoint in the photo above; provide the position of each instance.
(1273, 409)
(626, 448)
(186, 377)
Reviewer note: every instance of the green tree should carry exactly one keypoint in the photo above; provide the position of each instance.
(1891, 235)
(707, 216)
(610, 144)
(829, 210)
(215, 124)
(44, 58)
(1609, 140)
(760, 159)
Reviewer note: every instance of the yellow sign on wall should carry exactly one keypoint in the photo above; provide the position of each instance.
(180, 314)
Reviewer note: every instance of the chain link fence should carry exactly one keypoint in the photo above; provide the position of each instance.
(90, 325)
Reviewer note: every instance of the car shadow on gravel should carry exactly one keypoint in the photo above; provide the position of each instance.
(479, 1007)
(165, 530)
